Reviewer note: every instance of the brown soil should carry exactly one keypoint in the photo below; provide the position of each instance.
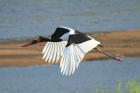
(121, 44)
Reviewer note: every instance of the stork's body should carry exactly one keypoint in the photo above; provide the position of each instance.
(69, 52)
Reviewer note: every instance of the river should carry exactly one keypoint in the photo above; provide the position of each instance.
(47, 79)
(29, 18)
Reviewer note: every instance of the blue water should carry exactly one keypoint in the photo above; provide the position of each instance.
(26, 18)
(47, 79)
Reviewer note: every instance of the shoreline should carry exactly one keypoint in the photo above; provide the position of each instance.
(120, 44)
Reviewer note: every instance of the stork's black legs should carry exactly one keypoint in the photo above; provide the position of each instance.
(116, 58)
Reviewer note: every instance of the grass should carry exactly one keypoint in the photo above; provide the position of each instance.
(131, 87)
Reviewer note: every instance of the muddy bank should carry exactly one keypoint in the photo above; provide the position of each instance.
(121, 44)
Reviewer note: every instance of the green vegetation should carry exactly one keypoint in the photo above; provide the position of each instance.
(131, 87)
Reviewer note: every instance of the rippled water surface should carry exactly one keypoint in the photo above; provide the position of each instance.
(25, 18)
(47, 79)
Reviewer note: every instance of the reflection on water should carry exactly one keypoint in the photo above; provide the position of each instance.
(38, 17)
(42, 79)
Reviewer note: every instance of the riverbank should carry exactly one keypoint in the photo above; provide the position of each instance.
(119, 43)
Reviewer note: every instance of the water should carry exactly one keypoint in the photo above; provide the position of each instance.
(47, 79)
(26, 18)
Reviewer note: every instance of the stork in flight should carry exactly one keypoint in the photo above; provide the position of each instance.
(69, 52)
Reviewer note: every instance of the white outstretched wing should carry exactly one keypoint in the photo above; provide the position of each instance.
(70, 60)
(74, 54)
(52, 51)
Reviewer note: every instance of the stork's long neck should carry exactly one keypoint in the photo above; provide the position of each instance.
(43, 39)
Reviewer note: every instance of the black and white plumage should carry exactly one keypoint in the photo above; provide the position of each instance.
(70, 51)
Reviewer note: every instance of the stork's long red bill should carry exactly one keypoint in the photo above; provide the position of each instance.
(26, 45)
(30, 43)
(35, 41)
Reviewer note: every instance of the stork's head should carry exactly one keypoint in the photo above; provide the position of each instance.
(39, 39)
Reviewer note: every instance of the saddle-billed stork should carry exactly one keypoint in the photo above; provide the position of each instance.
(69, 52)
